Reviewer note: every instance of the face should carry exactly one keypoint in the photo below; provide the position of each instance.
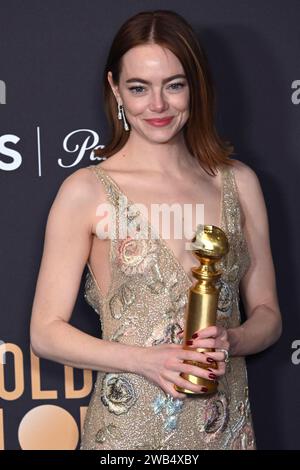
(147, 91)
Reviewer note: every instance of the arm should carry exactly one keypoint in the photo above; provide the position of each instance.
(66, 250)
(258, 287)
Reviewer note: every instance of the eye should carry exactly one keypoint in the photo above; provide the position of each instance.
(177, 86)
(135, 88)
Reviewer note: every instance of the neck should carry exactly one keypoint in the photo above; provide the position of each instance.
(164, 158)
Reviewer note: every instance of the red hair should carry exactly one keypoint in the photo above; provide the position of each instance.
(169, 30)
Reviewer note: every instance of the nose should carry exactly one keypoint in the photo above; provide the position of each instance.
(157, 101)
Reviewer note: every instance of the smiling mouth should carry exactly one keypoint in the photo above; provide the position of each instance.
(160, 121)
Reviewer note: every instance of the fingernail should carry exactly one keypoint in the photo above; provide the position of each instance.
(204, 389)
(189, 342)
(210, 359)
(194, 335)
(212, 376)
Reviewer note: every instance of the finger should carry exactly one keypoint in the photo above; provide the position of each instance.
(191, 355)
(215, 355)
(183, 383)
(207, 343)
(221, 369)
(210, 332)
(173, 346)
(224, 335)
(197, 357)
(198, 371)
(171, 390)
(222, 344)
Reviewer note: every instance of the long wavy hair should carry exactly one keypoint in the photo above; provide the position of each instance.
(169, 30)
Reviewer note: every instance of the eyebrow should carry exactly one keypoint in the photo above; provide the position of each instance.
(165, 80)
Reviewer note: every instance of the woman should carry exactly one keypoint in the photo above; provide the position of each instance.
(139, 286)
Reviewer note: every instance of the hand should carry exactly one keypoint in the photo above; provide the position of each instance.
(212, 337)
(163, 365)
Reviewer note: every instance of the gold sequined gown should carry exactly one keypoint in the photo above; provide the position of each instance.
(145, 306)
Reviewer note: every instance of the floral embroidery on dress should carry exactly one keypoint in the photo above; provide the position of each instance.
(136, 224)
(127, 328)
(172, 319)
(216, 415)
(225, 299)
(150, 445)
(164, 334)
(242, 430)
(136, 256)
(245, 439)
(169, 408)
(121, 301)
(145, 306)
(107, 432)
(155, 281)
(117, 393)
(229, 265)
(91, 293)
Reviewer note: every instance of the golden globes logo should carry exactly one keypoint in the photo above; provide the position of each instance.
(44, 427)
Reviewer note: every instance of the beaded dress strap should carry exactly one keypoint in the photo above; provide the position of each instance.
(231, 204)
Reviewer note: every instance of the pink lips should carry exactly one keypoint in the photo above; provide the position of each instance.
(159, 122)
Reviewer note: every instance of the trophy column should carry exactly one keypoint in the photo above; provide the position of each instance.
(209, 245)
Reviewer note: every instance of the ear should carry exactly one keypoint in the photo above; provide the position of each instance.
(115, 88)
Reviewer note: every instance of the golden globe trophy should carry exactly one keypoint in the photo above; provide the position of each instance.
(209, 245)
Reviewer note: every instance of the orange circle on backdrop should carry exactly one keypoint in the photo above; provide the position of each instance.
(48, 427)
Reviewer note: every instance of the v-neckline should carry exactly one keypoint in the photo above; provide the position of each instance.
(150, 226)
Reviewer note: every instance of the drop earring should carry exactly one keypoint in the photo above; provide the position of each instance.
(121, 115)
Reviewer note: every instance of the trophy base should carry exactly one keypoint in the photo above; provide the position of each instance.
(211, 385)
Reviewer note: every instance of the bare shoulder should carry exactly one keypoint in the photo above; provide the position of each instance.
(81, 189)
(250, 192)
(244, 174)
(247, 181)
(75, 204)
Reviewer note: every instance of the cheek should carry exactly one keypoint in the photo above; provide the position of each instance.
(135, 106)
(181, 102)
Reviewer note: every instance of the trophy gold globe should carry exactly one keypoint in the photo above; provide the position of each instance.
(209, 245)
